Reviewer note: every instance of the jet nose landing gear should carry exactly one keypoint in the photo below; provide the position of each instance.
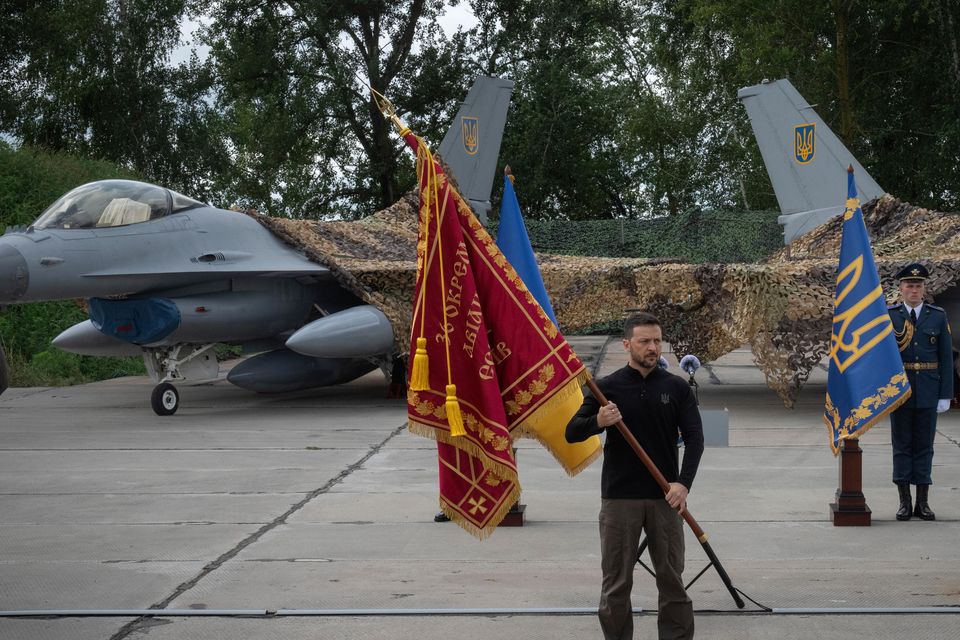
(165, 399)
(165, 364)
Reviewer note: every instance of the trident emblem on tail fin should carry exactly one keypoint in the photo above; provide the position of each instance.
(804, 142)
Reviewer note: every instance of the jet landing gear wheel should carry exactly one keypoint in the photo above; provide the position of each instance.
(165, 399)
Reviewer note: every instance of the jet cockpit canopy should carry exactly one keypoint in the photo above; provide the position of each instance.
(113, 203)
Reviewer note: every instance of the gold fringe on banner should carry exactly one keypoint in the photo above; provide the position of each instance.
(498, 515)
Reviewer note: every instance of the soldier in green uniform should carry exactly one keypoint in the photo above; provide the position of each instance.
(923, 336)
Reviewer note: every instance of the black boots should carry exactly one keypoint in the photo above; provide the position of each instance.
(906, 508)
(922, 510)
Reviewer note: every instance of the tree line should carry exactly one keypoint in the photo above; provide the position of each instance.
(622, 108)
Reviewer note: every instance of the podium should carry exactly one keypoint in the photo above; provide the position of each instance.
(850, 508)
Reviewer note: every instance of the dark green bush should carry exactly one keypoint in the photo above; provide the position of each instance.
(696, 236)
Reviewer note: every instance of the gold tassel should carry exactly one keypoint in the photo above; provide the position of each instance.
(420, 375)
(454, 417)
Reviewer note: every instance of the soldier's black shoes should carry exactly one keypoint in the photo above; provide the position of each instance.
(906, 508)
(922, 509)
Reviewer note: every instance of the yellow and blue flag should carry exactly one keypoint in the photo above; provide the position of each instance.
(514, 242)
(866, 380)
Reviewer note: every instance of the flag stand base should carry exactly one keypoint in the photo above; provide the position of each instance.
(850, 509)
(514, 517)
(714, 562)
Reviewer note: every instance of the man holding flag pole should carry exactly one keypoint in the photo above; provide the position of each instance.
(480, 335)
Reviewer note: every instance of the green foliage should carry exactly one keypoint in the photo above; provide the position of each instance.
(27, 331)
(622, 108)
(306, 139)
(92, 77)
(564, 134)
(885, 75)
(31, 180)
(53, 367)
(694, 236)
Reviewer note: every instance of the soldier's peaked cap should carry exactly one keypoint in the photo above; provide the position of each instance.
(913, 272)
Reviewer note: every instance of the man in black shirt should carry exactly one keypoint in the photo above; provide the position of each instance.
(656, 406)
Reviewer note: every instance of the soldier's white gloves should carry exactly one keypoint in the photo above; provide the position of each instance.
(942, 405)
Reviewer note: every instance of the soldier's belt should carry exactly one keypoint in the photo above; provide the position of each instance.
(920, 366)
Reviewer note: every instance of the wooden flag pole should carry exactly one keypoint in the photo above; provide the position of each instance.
(665, 487)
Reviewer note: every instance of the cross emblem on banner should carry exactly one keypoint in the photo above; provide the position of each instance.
(477, 506)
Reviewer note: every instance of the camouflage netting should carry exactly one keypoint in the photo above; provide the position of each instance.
(781, 307)
(374, 258)
(387, 279)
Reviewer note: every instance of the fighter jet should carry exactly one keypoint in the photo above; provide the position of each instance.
(807, 164)
(168, 277)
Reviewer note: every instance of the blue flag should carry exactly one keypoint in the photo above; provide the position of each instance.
(866, 380)
(514, 242)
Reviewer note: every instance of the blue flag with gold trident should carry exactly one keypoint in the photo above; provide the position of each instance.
(866, 380)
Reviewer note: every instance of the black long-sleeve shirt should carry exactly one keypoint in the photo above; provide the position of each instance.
(655, 409)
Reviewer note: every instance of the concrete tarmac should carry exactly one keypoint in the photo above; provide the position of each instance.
(322, 501)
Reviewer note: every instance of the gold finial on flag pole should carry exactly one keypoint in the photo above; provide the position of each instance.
(419, 375)
(389, 111)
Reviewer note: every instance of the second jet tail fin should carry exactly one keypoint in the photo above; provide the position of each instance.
(472, 145)
(806, 162)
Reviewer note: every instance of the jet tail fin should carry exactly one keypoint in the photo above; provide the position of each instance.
(472, 145)
(806, 162)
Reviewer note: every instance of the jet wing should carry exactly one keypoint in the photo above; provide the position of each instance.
(319, 271)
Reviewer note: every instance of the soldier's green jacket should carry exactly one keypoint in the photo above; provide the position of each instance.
(930, 343)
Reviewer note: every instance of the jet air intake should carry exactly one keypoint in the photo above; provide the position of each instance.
(14, 276)
(356, 332)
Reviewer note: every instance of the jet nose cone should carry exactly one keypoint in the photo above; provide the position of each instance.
(14, 276)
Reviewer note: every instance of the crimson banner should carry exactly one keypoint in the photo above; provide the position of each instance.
(489, 359)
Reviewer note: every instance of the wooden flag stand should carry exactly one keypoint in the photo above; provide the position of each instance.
(850, 509)
(514, 517)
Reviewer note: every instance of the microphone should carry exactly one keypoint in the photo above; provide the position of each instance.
(690, 363)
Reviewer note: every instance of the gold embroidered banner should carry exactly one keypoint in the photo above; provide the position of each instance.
(485, 356)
